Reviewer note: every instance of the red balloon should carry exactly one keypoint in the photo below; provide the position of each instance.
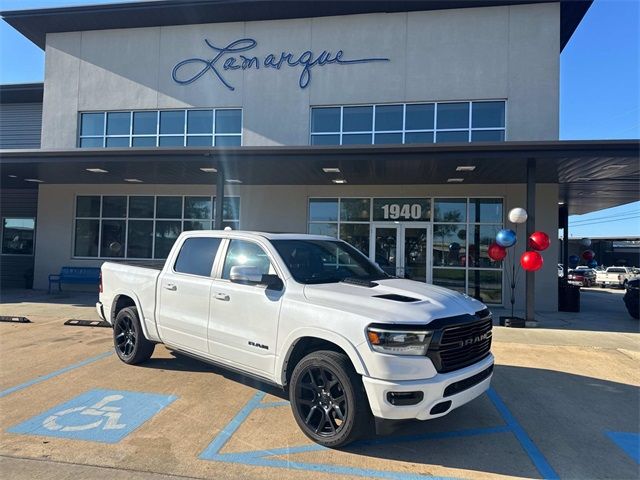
(539, 241)
(531, 261)
(496, 252)
(588, 255)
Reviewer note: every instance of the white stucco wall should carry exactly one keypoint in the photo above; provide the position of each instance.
(284, 209)
(509, 52)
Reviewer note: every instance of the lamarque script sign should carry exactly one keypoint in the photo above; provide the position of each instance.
(229, 58)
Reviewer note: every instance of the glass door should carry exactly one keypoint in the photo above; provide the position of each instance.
(402, 250)
(416, 252)
(384, 248)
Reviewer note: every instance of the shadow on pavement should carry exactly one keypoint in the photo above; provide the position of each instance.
(565, 415)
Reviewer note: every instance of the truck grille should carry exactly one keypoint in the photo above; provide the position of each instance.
(461, 345)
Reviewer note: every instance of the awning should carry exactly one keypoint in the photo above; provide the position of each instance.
(592, 174)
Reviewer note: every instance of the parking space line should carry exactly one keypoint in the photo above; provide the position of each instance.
(527, 444)
(48, 376)
(628, 442)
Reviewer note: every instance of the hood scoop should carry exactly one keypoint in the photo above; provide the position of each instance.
(397, 298)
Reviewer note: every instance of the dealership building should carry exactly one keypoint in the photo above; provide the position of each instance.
(408, 129)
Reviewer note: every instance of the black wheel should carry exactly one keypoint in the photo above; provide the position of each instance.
(328, 399)
(128, 338)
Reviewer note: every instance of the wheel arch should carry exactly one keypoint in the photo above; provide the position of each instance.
(308, 341)
(129, 299)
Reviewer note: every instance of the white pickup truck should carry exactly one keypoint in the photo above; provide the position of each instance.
(310, 314)
(615, 277)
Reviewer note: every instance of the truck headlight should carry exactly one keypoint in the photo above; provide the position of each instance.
(399, 342)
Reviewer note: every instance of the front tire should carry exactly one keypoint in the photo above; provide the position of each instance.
(328, 399)
(128, 338)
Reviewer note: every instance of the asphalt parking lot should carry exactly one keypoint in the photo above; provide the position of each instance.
(563, 404)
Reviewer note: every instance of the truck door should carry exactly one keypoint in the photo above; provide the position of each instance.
(244, 317)
(184, 295)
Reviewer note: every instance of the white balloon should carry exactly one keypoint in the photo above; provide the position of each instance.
(585, 242)
(518, 215)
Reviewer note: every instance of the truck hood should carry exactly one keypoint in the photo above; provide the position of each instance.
(431, 302)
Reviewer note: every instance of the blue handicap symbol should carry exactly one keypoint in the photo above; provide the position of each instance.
(97, 415)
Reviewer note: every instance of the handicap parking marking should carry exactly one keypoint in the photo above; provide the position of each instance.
(48, 376)
(628, 442)
(269, 458)
(98, 415)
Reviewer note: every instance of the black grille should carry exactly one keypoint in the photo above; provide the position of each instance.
(467, 383)
(461, 345)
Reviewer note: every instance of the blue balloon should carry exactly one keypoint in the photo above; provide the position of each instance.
(573, 261)
(506, 238)
(592, 263)
(454, 246)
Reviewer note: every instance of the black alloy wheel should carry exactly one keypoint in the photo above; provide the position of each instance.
(125, 336)
(321, 401)
(128, 338)
(328, 399)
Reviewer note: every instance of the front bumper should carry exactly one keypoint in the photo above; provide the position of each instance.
(433, 390)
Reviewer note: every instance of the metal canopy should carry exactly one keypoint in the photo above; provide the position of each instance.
(592, 174)
(36, 23)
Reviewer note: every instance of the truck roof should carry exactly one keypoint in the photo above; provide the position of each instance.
(267, 235)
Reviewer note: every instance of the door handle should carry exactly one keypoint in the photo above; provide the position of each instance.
(171, 286)
(223, 296)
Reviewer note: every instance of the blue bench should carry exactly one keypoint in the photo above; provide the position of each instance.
(77, 275)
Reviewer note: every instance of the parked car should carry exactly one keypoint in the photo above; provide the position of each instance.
(579, 278)
(589, 275)
(631, 297)
(615, 277)
(311, 314)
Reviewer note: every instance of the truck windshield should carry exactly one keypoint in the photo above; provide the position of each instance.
(326, 261)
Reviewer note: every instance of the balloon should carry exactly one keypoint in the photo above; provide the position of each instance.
(588, 255)
(496, 252)
(592, 263)
(506, 238)
(539, 241)
(585, 242)
(518, 215)
(454, 247)
(531, 261)
(573, 261)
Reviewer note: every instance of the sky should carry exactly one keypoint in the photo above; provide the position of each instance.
(599, 87)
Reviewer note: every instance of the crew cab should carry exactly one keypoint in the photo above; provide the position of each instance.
(311, 314)
(615, 277)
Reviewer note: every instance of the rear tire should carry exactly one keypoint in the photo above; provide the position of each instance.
(328, 399)
(128, 338)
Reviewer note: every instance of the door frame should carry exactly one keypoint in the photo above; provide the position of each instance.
(400, 243)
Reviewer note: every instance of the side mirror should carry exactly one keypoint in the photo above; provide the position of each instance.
(273, 282)
(245, 274)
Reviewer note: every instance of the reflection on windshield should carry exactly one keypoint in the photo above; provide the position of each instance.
(326, 261)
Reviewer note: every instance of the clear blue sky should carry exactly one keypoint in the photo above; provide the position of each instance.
(599, 94)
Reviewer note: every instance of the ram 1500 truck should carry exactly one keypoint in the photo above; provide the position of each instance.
(311, 314)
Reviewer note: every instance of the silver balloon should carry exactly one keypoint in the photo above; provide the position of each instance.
(585, 242)
(518, 215)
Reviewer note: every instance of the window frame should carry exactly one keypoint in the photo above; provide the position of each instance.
(468, 224)
(128, 218)
(216, 258)
(157, 135)
(470, 129)
(2, 230)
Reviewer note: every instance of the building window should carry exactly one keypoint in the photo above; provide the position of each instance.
(480, 121)
(142, 226)
(462, 230)
(17, 236)
(161, 128)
